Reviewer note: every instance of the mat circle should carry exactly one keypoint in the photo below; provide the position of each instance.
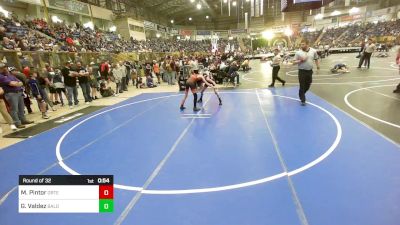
(211, 189)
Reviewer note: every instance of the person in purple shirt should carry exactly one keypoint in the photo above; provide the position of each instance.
(13, 93)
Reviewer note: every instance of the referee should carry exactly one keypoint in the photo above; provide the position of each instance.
(304, 58)
(276, 62)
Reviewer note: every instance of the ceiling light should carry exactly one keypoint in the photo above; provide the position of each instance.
(335, 13)
(269, 35)
(225, 1)
(5, 12)
(319, 16)
(234, 3)
(207, 17)
(172, 21)
(198, 6)
(190, 18)
(89, 25)
(113, 29)
(354, 10)
(288, 32)
(55, 19)
(191, 1)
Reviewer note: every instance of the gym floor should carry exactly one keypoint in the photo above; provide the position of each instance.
(261, 158)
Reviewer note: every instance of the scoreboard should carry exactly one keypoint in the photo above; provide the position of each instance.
(66, 194)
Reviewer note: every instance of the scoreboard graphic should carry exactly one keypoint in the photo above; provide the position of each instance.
(66, 194)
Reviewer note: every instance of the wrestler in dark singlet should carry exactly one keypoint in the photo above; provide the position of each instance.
(191, 83)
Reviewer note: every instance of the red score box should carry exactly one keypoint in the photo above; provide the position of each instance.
(106, 192)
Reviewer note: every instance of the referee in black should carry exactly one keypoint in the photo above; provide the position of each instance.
(305, 59)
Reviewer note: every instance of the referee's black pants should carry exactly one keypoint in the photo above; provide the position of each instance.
(275, 71)
(368, 58)
(305, 80)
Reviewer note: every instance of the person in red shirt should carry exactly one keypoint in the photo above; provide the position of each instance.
(156, 70)
(26, 71)
(69, 40)
(104, 71)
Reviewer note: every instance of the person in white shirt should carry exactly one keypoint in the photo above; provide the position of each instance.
(370, 48)
(222, 66)
(118, 73)
(326, 48)
(305, 59)
(194, 64)
(276, 66)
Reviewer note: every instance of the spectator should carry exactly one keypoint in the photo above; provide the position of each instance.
(83, 77)
(127, 76)
(150, 82)
(24, 80)
(122, 69)
(169, 70)
(70, 83)
(118, 73)
(232, 72)
(156, 70)
(46, 82)
(59, 86)
(104, 70)
(38, 93)
(7, 44)
(94, 76)
(105, 91)
(4, 112)
(13, 93)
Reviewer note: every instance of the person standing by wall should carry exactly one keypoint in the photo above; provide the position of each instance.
(13, 93)
(26, 93)
(46, 83)
(122, 69)
(4, 112)
(59, 85)
(305, 59)
(37, 92)
(118, 74)
(156, 70)
(94, 76)
(70, 83)
(84, 81)
(104, 70)
(168, 70)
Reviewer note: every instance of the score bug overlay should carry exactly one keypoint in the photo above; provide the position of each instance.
(66, 194)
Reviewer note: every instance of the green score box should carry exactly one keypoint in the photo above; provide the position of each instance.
(106, 205)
